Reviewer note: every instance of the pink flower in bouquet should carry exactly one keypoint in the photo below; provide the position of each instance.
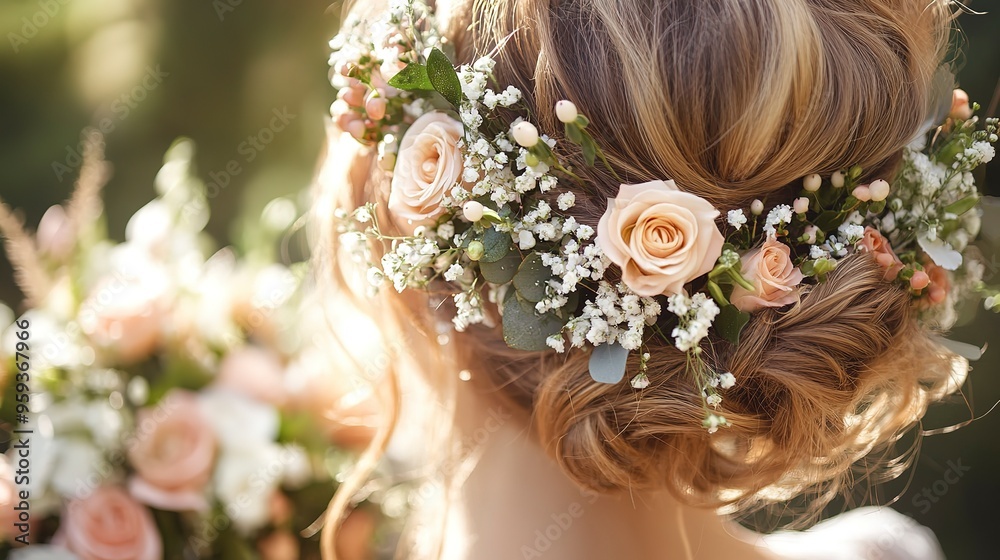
(55, 234)
(350, 415)
(8, 499)
(173, 455)
(124, 312)
(279, 545)
(255, 372)
(109, 524)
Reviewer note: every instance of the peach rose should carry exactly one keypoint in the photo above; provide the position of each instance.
(123, 313)
(109, 524)
(255, 372)
(770, 269)
(428, 165)
(173, 455)
(661, 237)
(937, 291)
(960, 109)
(876, 244)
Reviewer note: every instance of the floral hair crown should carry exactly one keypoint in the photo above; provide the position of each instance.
(487, 215)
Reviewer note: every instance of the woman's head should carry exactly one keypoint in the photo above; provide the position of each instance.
(733, 100)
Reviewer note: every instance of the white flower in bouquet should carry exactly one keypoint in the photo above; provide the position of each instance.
(244, 480)
(42, 552)
(52, 344)
(79, 466)
(237, 420)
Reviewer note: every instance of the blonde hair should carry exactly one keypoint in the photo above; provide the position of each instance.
(734, 100)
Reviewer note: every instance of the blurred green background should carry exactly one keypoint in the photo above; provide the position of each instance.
(217, 71)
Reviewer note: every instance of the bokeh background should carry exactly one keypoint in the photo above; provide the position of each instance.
(218, 71)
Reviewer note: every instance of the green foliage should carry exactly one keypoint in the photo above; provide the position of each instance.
(523, 327)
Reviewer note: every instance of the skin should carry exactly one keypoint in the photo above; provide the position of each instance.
(516, 503)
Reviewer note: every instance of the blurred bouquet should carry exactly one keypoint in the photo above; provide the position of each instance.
(178, 405)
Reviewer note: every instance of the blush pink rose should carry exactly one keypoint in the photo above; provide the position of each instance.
(770, 269)
(109, 525)
(876, 244)
(428, 165)
(254, 372)
(661, 237)
(173, 455)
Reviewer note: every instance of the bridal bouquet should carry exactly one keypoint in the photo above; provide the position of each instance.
(164, 403)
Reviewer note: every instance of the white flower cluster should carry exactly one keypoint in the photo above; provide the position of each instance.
(696, 314)
(736, 218)
(615, 314)
(922, 206)
(778, 216)
(468, 310)
(409, 262)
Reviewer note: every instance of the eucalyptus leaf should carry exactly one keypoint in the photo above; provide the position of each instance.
(607, 363)
(574, 134)
(412, 78)
(968, 351)
(828, 220)
(443, 77)
(532, 277)
(730, 323)
(496, 244)
(501, 271)
(962, 206)
(524, 328)
(589, 149)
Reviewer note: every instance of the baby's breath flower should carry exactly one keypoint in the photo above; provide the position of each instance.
(566, 200)
(736, 218)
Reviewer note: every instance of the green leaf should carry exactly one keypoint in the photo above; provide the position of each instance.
(412, 78)
(963, 205)
(876, 207)
(828, 220)
(496, 245)
(442, 75)
(589, 149)
(532, 277)
(730, 322)
(574, 134)
(582, 121)
(501, 271)
(524, 328)
(607, 363)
